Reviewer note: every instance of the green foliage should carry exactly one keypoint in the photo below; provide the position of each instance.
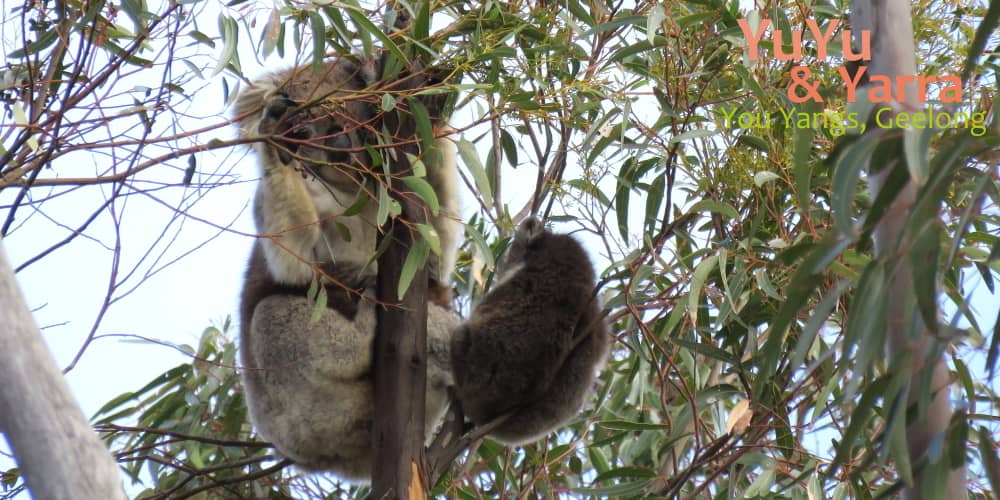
(187, 429)
(186, 434)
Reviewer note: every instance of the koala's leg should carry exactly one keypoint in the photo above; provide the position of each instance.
(442, 174)
(441, 326)
(318, 426)
(332, 348)
(308, 386)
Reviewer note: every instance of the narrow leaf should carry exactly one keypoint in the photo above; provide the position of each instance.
(845, 180)
(428, 233)
(988, 455)
(763, 177)
(230, 35)
(318, 38)
(701, 273)
(415, 259)
(923, 258)
(423, 123)
(653, 21)
(916, 143)
(816, 321)
(470, 156)
(802, 151)
(369, 28)
(718, 207)
(425, 191)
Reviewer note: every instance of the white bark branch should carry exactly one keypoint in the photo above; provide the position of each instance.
(60, 456)
(894, 54)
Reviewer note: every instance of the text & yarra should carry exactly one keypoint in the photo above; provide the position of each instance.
(881, 89)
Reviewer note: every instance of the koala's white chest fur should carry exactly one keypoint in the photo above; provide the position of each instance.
(342, 238)
(304, 223)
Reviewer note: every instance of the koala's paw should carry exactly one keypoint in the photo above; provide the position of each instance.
(275, 121)
(273, 115)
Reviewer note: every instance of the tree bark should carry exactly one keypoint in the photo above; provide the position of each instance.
(58, 452)
(893, 54)
(400, 375)
(400, 340)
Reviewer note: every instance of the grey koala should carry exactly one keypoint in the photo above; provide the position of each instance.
(309, 386)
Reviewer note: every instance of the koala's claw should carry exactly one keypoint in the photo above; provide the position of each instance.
(275, 113)
(279, 105)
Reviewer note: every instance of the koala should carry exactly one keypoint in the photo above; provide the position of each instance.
(531, 348)
(308, 384)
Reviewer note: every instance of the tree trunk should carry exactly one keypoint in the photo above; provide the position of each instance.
(893, 53)
(400, 340)
(58, 452)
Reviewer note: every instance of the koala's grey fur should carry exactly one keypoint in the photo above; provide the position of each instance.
(309, 387)
(532, 347)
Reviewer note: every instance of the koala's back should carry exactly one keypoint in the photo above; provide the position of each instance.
(533, 344)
